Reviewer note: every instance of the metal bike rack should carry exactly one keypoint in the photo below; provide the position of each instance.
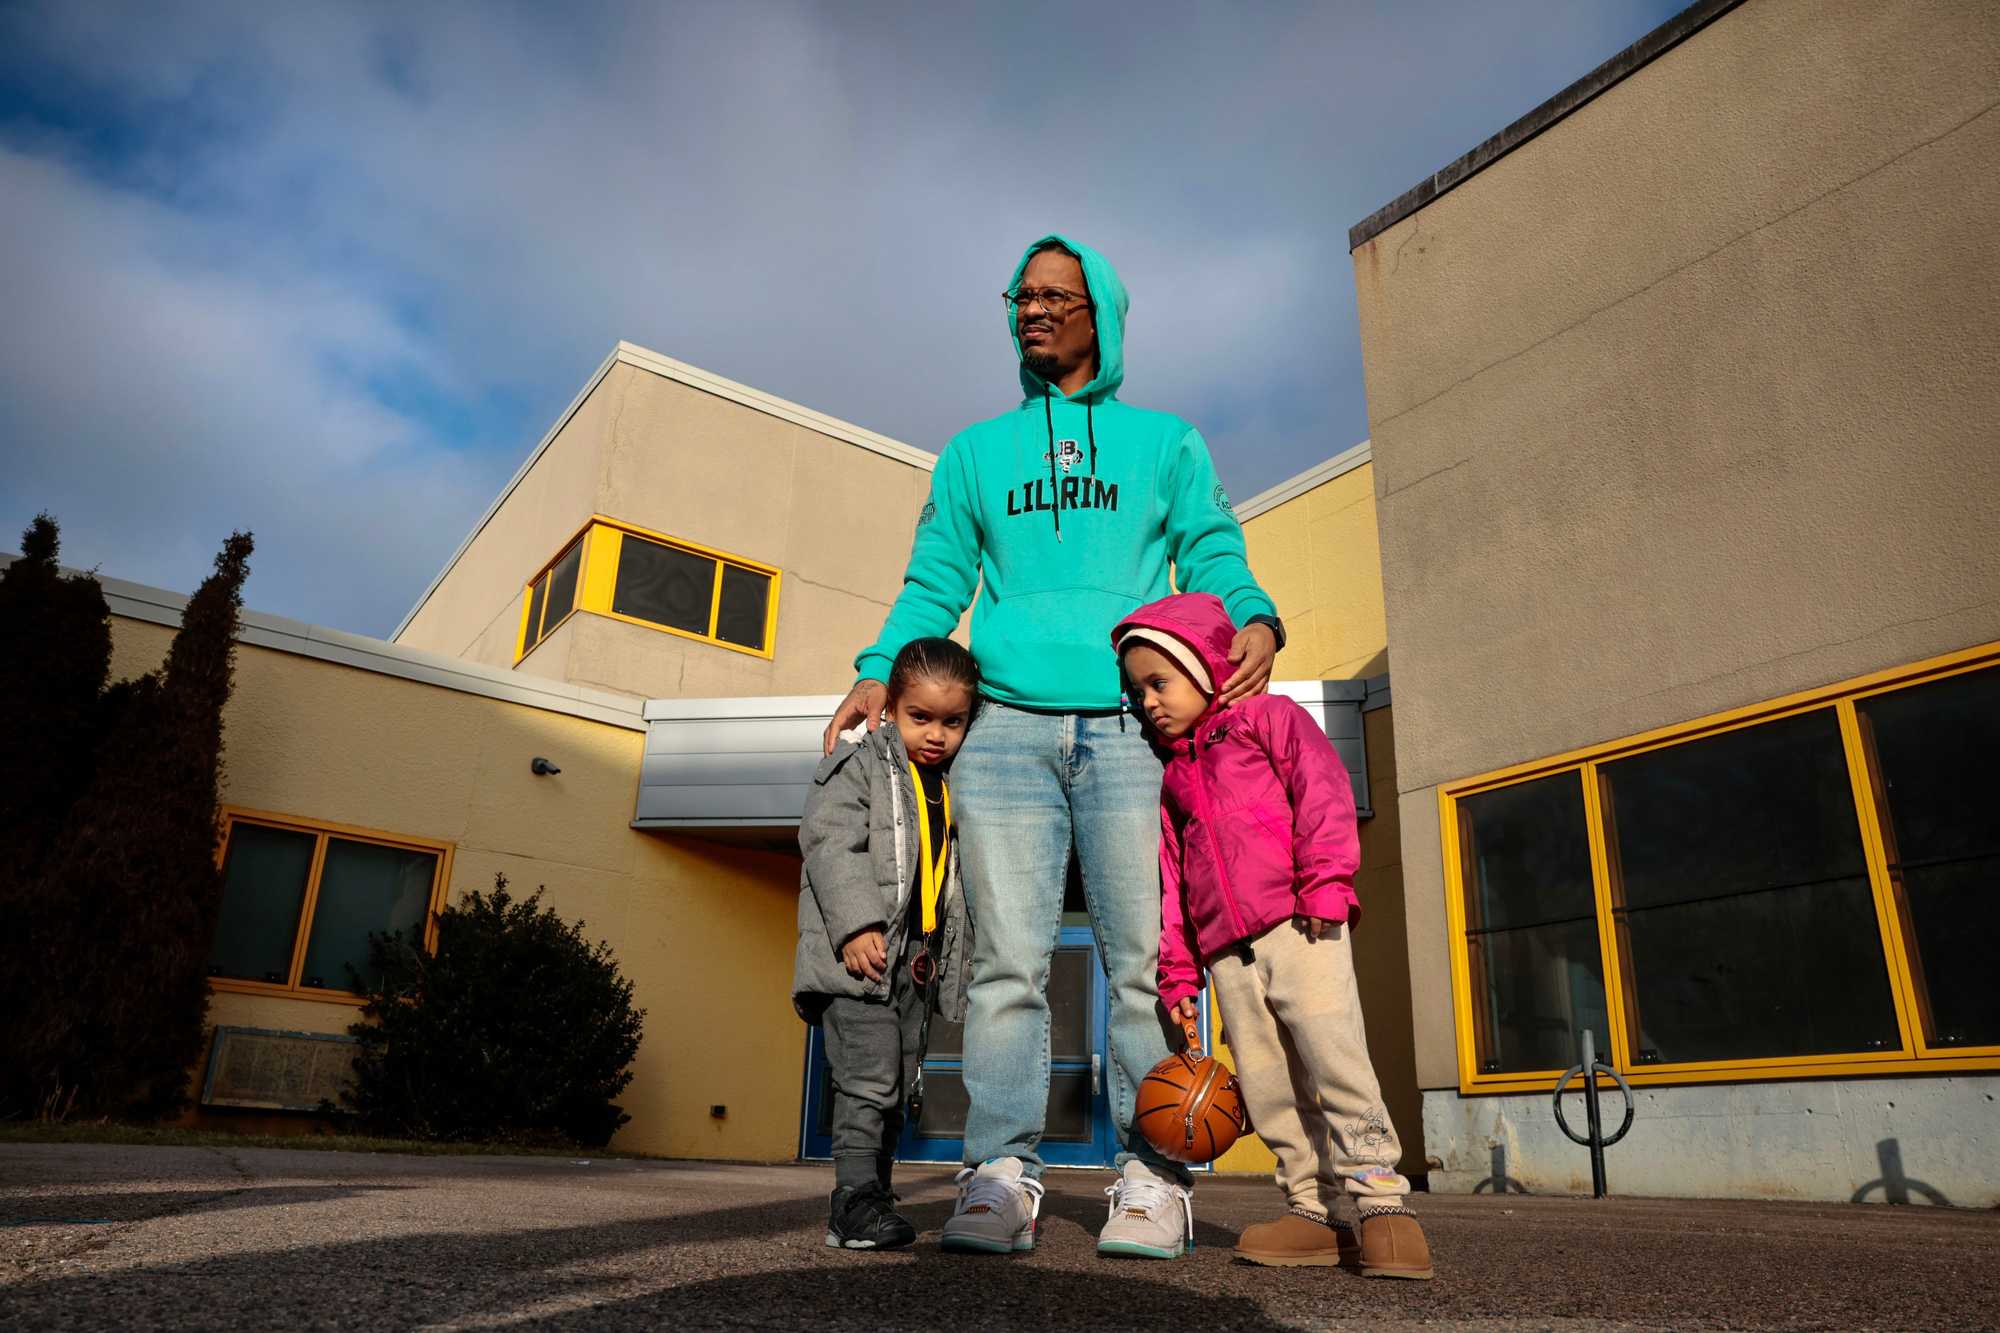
(1596, 1141)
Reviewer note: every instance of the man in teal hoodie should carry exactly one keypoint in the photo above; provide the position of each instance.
(1064, 515)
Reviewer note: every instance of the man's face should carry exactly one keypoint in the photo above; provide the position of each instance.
(1054, 345)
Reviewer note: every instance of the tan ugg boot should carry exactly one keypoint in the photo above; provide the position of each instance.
(1393, 1245)
(1296, 1240)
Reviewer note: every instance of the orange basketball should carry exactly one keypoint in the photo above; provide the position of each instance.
(1190, 1106)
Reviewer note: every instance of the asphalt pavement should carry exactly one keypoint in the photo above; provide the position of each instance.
(104, 1237)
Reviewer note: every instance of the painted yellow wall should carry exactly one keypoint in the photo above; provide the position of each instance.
(705, 933)
(645, 448)
(1316, 554)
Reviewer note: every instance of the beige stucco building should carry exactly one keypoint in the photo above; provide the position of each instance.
(1683, 396)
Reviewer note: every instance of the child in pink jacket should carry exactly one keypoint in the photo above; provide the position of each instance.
(1257, 855)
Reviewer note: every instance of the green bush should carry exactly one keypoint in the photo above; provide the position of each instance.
(514, 1029)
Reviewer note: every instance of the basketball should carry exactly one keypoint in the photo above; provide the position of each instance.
(1190, 1106)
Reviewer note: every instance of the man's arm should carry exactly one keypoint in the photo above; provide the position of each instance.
(938, 585)
(1205, 542)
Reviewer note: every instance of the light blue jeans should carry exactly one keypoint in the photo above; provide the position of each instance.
(1025, 789)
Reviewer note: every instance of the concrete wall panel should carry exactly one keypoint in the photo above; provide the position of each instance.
(1893, 1140)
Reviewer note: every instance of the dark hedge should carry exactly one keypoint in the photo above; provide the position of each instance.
(108, 825)
(515, 1029)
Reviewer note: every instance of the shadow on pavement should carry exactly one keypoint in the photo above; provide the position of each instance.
(965, 1293)
(436, 1278)
(140, 1205)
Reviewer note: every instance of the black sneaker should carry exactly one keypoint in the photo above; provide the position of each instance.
(864, 1217)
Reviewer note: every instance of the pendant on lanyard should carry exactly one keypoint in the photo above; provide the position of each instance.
(934, 862)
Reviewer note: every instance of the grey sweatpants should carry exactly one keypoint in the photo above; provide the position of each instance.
(871, 1056)
(1292, 1014)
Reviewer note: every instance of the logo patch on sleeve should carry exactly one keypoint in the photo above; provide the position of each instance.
(927, 513)
(1222, 501)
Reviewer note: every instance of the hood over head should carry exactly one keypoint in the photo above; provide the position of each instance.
(1108, 304)
(1197, 621)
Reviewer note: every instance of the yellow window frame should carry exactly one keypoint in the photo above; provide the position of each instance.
(603, 541)
(1915, 1055)
(302, 934)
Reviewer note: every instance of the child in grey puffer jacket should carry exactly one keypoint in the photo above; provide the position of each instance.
(884, 935)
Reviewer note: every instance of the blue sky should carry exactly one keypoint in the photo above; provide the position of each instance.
(328, 272)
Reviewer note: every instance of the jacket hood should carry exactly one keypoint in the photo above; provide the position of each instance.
(1108, 304)
(1196, 619)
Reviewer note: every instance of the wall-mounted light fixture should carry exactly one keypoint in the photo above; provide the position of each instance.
(541, 767)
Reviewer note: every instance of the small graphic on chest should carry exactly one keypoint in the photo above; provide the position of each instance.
(1067, 454)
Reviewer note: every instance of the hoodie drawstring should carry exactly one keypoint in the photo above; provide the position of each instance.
(1055, 490)
(1090, 429)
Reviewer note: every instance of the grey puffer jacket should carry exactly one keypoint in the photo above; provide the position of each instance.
(862, 858)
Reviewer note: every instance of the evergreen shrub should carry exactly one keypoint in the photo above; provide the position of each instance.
(515, 1029)
(109, 888)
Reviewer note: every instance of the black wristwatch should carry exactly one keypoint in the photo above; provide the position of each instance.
(1277, 627)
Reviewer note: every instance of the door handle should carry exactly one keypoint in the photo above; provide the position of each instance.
(1096, 1074)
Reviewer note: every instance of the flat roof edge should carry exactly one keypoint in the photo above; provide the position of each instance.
(1606, 76)
(158, 606)
(771, 405)
(1318, 474)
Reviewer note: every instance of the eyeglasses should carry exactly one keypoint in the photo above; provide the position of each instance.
(1052, 299)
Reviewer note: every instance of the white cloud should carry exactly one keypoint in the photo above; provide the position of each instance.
(821, 201)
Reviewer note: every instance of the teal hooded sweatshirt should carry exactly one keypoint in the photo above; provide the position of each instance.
(1064, 515)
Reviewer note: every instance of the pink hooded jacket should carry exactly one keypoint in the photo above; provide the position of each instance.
(1256, 813)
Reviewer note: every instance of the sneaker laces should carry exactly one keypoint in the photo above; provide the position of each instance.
(1148, 1196)
(996, 1192)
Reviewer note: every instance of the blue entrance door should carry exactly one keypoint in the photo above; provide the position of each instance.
(1079, 1128)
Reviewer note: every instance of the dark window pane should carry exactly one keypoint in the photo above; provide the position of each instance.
(1069, 1107)
(363, 887)
(534, 634)
(562, 587)
(1531, 924)
(1527, 854)
(1789, 972)
(823, 1105)
(1540, 987)
(1069, 1004)
(1764, 807)
(745, 596)
(1749, 924)
(945, 1104)
(947, 1039)
(1934, 748)
(666, 586)
(263, 886)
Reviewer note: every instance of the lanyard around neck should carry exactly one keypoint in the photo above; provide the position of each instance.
(930, 879)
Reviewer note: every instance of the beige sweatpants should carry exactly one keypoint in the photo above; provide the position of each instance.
(1291, 1012)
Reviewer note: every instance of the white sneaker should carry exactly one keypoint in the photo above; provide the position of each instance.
(997, 1208)
(1144, 1221)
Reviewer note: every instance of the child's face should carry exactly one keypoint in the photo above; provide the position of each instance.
(1163, 692)
(932, 717)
